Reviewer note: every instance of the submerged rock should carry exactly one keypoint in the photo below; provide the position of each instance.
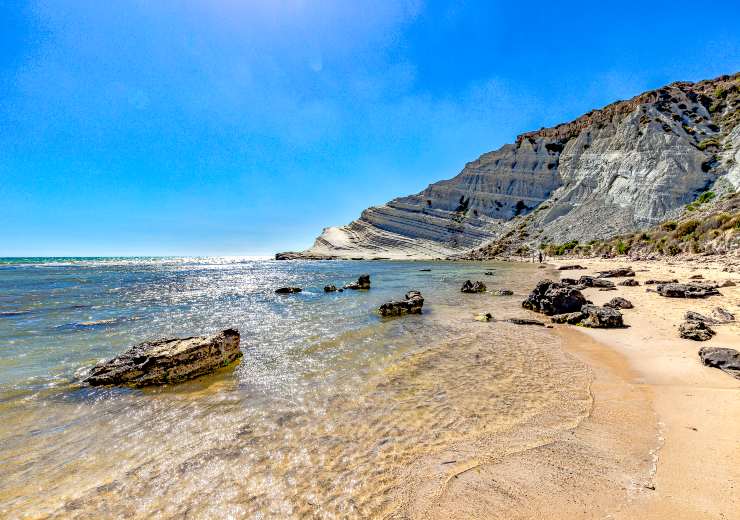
(473, 287)
(330, 288)
(550, 298)
(168, 360)
(412, 304)
(619, 303)
(488, 273)
(502, 292)
(726, 359)
(601, 317)
(617, 273)
(363, 282)
(686, 290)
(695, 330)
(288, 290)
(630, 282)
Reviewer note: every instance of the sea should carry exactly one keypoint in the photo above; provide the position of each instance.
(333, 411)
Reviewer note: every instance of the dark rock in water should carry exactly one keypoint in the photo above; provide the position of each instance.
(726, 359)
(617, 273)
(570, 267)
(470, 287)
(293, 255)
(550, 298)
(424, 270)
(601, 317)
(658, 282)
(502, 292)
(168, 360)
(591, 281)
(728, 283)
(288, 290)
(722, 315)
(696, 330)
(630, 282)
(363, 282)
(488, 273)
(330, 288)
(685, 290)
(484, 317)
(619, 303)
(525, 321)
(571, 318)
(411, 305)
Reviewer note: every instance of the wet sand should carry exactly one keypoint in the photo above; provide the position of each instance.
(697, 408)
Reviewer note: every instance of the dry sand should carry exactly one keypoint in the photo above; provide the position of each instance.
(697, 408)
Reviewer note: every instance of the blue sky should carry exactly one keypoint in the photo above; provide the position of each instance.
(240, 127)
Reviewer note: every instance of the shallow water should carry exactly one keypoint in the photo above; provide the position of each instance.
(332, 413)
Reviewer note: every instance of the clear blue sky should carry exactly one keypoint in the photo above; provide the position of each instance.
(239, 127)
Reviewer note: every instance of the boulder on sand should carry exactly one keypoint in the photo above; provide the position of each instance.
(617, 273)
(571, 318)
(601, 317)
(167, 360)
(686, 290)
(363, 282)
(412, 304)
(591, 281)
(721, 315)
(470, 287)
(619, 303)
(288, 290)
(695, 330)
(525, 321)
(726, 359)
(629, 282)
(550, 298)
(570, 267)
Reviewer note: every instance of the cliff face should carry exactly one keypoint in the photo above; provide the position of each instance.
(622, 168)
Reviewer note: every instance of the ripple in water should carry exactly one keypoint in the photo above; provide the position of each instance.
(332, 413)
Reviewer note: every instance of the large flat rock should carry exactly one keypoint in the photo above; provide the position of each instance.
(169, 360)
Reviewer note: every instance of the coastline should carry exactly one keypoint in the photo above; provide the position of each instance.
(696, 407)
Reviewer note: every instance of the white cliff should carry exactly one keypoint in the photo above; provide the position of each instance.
(625, 167)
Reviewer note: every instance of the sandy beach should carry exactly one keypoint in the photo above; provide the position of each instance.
(696, 408)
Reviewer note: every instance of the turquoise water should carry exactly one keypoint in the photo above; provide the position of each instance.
(325, 415)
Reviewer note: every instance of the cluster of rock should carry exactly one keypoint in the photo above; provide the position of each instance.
(169, 360)
(566, 304)
(363, 282)
(411, 304)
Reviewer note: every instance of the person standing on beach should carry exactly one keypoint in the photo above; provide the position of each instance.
(540, 256)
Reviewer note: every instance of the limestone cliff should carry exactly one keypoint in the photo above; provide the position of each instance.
(624, 167)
